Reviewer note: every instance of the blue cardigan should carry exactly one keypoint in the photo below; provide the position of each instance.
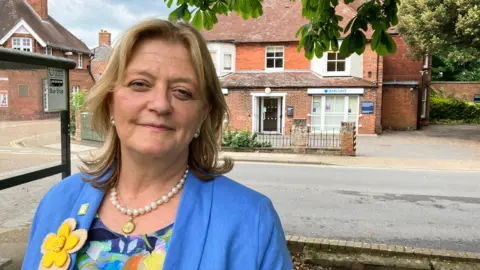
(220, 224)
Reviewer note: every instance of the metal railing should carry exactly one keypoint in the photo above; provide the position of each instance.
(322, 138)
(274, 140)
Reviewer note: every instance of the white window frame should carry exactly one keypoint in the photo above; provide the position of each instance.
(22, 47)
(231, 62)
(48, 50)
(255, 100)
(424, 103)
(75, 89)
(425, 61)
(275, 57)
(322, 112)
(80, 61)
(474, 95)
(348, 64)
(215, 61)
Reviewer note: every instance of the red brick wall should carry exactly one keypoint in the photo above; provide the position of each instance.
(399, 108)
(302, 106)
(251, 56)
(397, 67)
(368, 122)
(240, 105)
(24, 108)
(370, 62)
(461, 90)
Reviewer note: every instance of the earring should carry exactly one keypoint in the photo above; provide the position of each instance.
(112, 121)
(197, 134)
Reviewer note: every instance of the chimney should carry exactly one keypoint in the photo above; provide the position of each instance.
(41, 7)
(104, 38)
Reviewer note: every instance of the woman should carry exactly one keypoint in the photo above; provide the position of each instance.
(155, 196)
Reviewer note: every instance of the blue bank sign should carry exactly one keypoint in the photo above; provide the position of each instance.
(335, 91)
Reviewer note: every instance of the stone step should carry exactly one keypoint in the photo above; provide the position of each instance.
(4, 262)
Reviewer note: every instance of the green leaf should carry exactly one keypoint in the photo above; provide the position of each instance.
(207, 20)
(376, 39)
(391, 46)
(334, 44)
(344, 47)
(349, 24)
(197, 19)
(318, 50)
(381, 49)
(169, 4)
(309, 55)
(360, 42)
(186, 15)
(395, 19)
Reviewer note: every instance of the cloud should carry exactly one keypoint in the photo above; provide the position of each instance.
(85, 18)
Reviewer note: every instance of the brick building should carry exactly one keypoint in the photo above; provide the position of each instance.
(25, 25)
(101, 53)
(267, 83)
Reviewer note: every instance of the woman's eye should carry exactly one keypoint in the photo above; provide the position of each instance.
(183, 93)
(138, 85)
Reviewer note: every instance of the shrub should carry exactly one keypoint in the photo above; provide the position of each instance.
(77, 104)
(244, 138)
(453, 111)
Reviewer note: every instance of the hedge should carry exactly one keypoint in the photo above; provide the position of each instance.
(452, 110)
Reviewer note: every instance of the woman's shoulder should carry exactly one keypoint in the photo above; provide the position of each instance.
(71, 184)
(229, 191)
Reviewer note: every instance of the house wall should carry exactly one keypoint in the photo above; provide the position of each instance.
(461, 90)
(239, 102)
(31, 107)
(398, 67)
(251, 56)
(400, 107)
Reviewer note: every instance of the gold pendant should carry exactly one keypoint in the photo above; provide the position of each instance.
(128, 227)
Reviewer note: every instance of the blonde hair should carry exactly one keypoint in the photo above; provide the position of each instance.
(203, 157)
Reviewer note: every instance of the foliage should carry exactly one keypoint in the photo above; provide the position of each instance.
(444, 69)
(319, 35)
(448, 28)
(78, 99)
(244, 138)
(451, 110)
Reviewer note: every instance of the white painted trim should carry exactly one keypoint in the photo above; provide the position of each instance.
(3, 78)
(224, 91)
(348, 67)
(254, 107)
(278, 117)
(15, 28)
(335, 91)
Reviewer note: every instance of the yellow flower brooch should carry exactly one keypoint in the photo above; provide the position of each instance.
(57, 247)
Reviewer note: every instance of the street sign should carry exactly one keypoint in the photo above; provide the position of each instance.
(367, 107)
(56, 94)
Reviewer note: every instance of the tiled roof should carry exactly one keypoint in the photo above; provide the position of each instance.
(49, 30)
(280, 21)
(102, 53)
(285, 79)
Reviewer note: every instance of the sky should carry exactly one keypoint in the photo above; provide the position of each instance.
(85, 18)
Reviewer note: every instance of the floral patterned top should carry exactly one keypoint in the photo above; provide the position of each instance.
(105, 249)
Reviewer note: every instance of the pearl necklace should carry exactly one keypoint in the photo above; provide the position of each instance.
(128, 227)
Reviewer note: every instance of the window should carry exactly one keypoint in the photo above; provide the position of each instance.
(227, 61)
(22, 44)
(274, 57)
(48, 50)
(424, 103)
(75, 89)
(23, 90)
(336, 62)
(329, 111)
(476, 98)
(213, 54)
(80, 61)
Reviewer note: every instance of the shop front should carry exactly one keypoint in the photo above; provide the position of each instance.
(332, 106)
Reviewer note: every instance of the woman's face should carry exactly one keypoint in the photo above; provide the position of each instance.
(157, 108)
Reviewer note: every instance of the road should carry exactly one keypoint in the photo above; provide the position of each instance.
(432, 209)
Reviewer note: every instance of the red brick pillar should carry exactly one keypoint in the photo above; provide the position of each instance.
(299, 135)
(348, 139)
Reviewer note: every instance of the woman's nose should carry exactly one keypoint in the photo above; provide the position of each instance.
(160, 100)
